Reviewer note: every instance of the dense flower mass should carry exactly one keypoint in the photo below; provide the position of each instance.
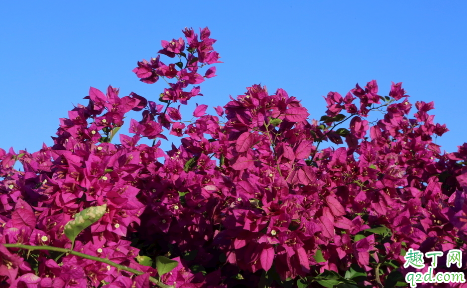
(248, 197)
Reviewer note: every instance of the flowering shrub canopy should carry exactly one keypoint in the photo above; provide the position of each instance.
(248, 198)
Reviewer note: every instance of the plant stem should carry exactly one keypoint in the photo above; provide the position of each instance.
(86, 256)
(351, 115)
(377, 276)
(329, 131)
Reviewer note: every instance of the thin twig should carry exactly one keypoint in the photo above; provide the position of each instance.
(86, 256)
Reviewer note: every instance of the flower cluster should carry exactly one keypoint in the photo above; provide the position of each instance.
(247, 198)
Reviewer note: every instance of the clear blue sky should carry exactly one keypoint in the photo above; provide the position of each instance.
(51, 52)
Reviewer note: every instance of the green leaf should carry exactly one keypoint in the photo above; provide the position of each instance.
(319, 256)
(33, 262)
(182, 54)
(265, 281)
(103, 140)
(83, 220)
(392, 263)
(194, 60)
(222, 160)
(329, 274)
(392, 279)
(160, 98)
(288, 283)
(181, 196)
(255, 203)
(301, 283)
(198, 268)
(275, 121)
(329, 283)
(190, 163)
(358, 237)
(144, 260)
(387, 98)
(347, 285)
(190, 255)
(381, 230)
(325, 119)
(352, 273)
(108, 170)
(179, 64)
(222, 258)
(338, 117)
(372, 166)
(330, 279)
(443, 176)
(113, 133)
(165, 265)
(343, 131)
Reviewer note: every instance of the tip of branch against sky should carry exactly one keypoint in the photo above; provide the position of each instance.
(52, 52)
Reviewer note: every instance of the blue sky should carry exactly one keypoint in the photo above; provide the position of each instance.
(51, 52)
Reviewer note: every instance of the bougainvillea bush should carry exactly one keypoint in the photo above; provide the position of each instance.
(248, 198)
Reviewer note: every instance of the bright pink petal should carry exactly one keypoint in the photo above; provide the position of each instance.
(266, 258)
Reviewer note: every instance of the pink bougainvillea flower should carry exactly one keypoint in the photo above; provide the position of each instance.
(173, 47)
(211, 72)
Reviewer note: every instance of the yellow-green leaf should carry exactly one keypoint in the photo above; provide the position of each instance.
(83, 220)
(319, 256)
(144, 260)
(165, 265)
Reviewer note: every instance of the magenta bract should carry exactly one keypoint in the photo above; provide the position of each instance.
(249, 197)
